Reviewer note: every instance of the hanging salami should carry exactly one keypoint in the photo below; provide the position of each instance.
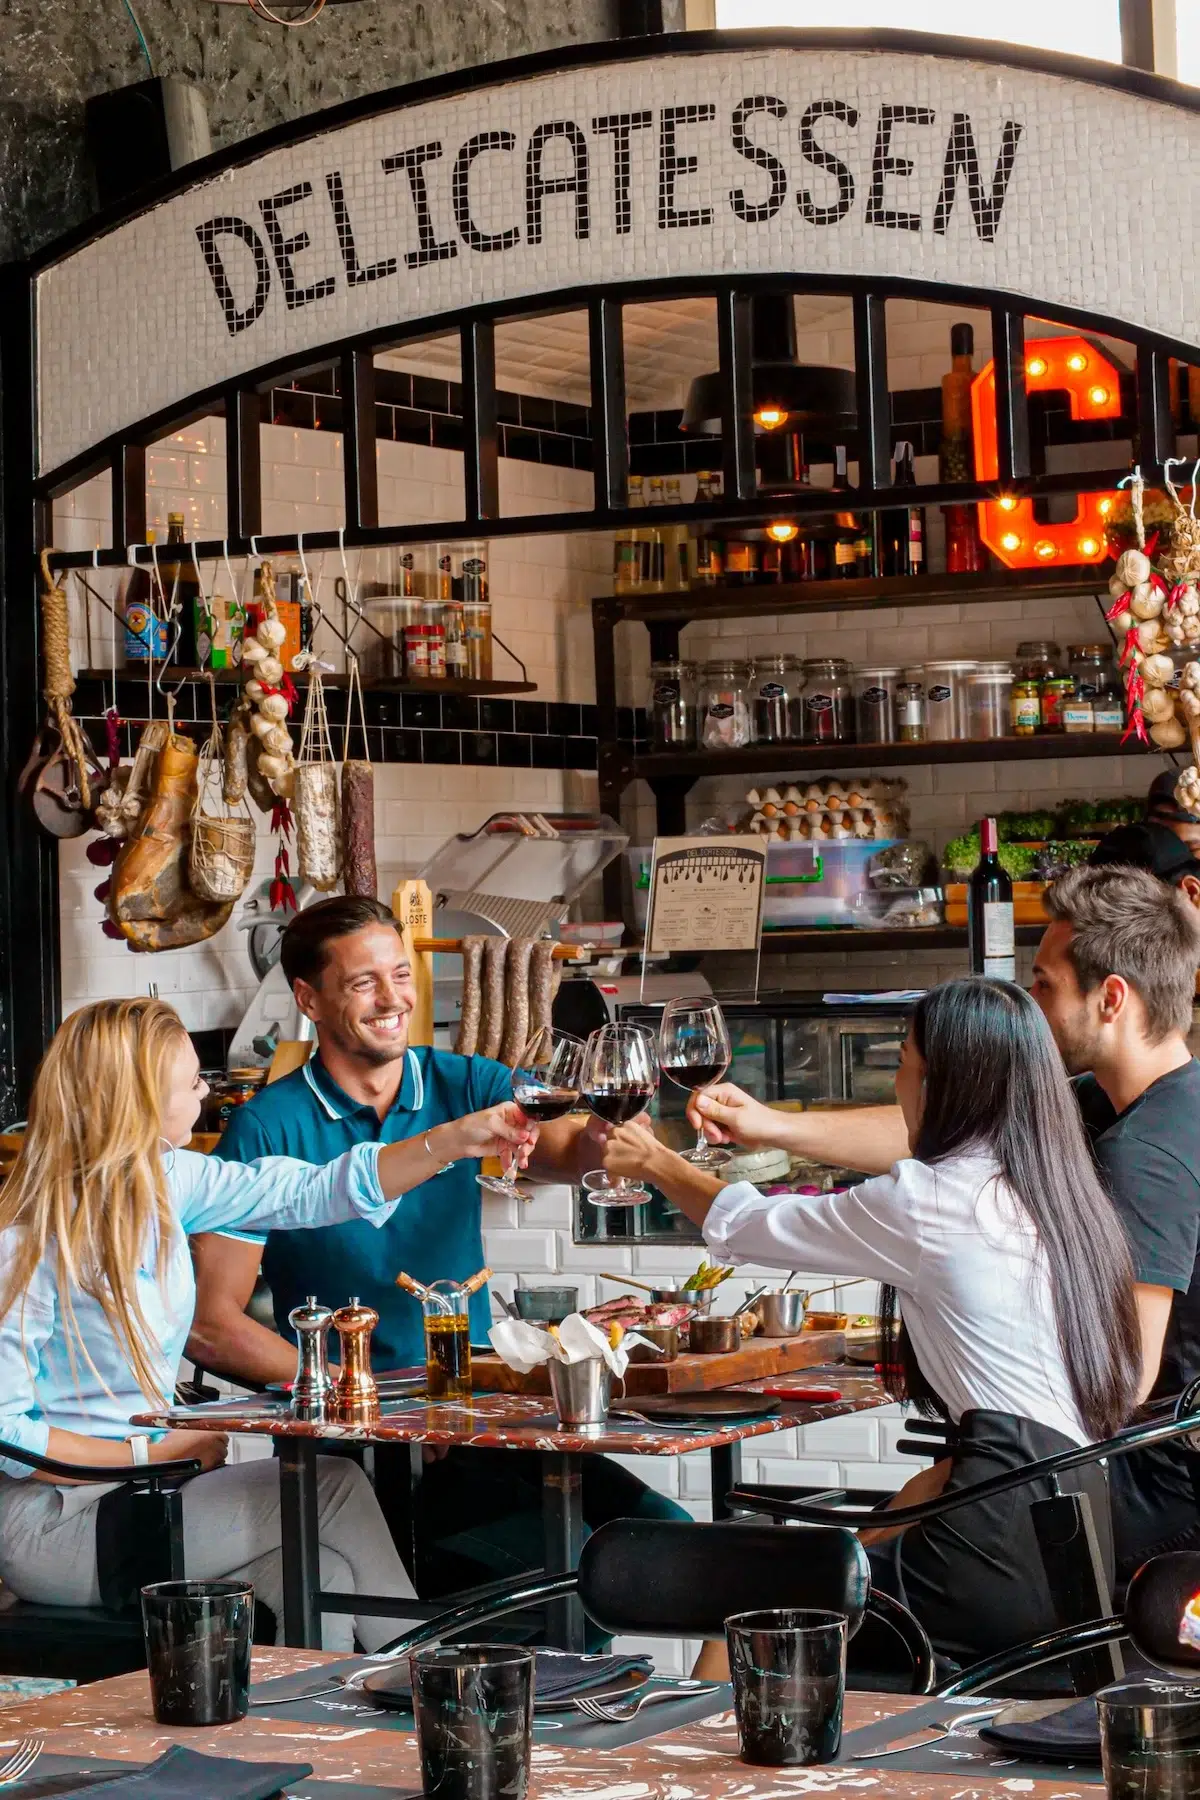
(359, 876)
(318, 818)
(491, 1024)
(472, 996)
(516, 1001)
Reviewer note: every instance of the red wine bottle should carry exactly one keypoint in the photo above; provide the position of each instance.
(990, 934)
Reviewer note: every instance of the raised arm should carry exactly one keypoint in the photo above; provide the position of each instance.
(870, 1138)
(277, 1192)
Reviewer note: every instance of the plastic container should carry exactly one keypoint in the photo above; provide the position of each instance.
(875, 705)
(945, 699)
(383, 656)
(807, 884)
(988, 691)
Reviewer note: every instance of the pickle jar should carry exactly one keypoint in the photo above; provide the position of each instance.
(672, 707)
(777, 710)
(724, 706)
(1025, 706)
(827, 700)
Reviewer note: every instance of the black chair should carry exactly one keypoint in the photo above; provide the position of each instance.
(1163, 1591)
(1063, 1523)
(139, 1538)
(660, 1578)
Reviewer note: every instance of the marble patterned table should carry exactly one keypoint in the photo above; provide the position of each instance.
(497, 1421)
(112, 1720)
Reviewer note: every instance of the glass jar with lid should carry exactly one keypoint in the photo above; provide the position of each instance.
(945, 699)
(672, 705)
(776, 699)
(1039, 659)
(988, 691)
(912, 723)
(724, 705)
(875, 705)
(1097, 680)
(827, 701)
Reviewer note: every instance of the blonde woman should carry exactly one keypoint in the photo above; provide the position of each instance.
(97, 1294)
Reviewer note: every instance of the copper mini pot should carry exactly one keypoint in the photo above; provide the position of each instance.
(666, 1337)
(714, 1337)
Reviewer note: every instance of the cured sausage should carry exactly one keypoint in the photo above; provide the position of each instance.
(237, 739)
(358, 829)
(261, 791)
(491, 1026)
(541, 985)
(472, 996)
(516, 1001)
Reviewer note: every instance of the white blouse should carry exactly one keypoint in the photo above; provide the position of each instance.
(964, 1257)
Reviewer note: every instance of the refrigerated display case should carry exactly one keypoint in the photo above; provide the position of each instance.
(791, 1049)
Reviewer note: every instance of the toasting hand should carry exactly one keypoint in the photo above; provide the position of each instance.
(497, 1130)
(727, 1115)
(632, 1149)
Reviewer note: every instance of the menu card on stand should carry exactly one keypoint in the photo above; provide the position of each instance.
(706, 894)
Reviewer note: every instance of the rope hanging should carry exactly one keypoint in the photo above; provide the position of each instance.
(60, 683)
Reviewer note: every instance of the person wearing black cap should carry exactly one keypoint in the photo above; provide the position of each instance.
(1158, 847)
(1162, 808)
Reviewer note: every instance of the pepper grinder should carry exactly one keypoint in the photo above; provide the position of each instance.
(313, 1387)
(355, 1395)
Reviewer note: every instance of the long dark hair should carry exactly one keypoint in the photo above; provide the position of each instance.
(994, 1081)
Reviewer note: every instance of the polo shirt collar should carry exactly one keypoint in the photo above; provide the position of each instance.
(336, 1103)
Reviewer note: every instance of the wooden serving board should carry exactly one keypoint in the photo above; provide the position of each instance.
(688, 1374)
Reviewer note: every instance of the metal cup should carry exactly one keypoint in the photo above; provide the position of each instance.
(581, 1392)
(781, 1312)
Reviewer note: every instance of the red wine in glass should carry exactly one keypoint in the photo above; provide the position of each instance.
(619, 1078)
(545, 1087)
(694, 1052)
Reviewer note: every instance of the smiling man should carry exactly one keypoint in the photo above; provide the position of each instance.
(346, 964)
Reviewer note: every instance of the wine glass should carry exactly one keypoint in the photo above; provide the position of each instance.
(694, 1052)
(619, 1078)
(545, 1086)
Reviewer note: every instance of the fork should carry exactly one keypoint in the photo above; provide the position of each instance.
(21, 1760)
(621, 1715)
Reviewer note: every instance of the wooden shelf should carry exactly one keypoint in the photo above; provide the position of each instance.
(992, 587)
(793, 759)
(375, 684)
(896, 937)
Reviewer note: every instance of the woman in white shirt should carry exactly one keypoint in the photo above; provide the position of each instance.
(97, 1301)
(1009, 1262)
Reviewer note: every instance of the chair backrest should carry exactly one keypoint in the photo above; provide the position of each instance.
(660, 1578)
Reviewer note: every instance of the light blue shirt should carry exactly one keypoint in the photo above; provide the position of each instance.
(81, 1381)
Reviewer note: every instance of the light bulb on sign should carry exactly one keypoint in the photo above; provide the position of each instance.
(1098, 396)
(1088, 546)
(1045, 549)
(1036, 366)
(770, 417)
(1077, 363)
(1104, 507)
(1011, 541)
(1007, 502)
(782, 531)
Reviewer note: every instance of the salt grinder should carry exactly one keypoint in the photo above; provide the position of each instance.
(312, 1389)
(355, 1395)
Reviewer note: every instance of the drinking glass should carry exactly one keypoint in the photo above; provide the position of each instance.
(474, 1716)
(789, 1682)
(1150, 1740)
(619, 1078)
(198, 1636)
(545, 1086)
(694, 1053)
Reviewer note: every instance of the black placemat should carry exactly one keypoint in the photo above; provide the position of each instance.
(964, 1755)
(305, 1700)
(61, 1775)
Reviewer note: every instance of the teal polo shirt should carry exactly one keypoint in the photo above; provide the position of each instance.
(435, 1232)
